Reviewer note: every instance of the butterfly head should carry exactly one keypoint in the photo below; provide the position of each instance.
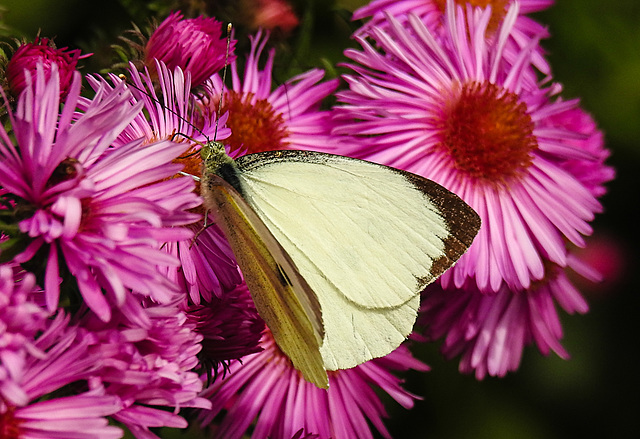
(214, 156)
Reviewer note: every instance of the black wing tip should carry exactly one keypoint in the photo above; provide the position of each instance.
(463, 222)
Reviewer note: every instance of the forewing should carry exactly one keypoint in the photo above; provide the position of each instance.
(366, 238)
(380, 235)
(282, 297)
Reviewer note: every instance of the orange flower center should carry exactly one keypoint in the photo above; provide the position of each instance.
(498, 10)
(255, 126)
(488, 133)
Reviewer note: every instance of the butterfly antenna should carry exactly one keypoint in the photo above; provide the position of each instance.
(124, 78)
(224, 79)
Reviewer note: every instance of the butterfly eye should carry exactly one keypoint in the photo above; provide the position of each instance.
(205, 151)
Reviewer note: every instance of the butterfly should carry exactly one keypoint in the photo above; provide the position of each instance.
(335, 251)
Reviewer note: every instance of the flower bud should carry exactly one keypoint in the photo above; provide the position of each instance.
(27, 57)
(196, 45)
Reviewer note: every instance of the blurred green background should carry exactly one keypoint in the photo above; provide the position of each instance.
(594, 51)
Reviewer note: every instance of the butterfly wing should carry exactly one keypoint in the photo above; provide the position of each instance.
(367, 239)
(282, 297)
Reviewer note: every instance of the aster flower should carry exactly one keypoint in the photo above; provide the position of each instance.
(208, 267)
(196, 45)
(62, 417)
(261, 119)
(98, 213)
(490, 331)
(458, 112)
(148, 365)
(63, 357)
(41, 52)
(230, 327)
(431, 14)
(267, 387)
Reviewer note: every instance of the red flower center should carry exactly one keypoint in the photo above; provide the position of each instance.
(498, 10)
(255, 126)
(488, 133)
(9, 425)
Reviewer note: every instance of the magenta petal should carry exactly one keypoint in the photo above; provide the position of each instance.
(72, 407)
(52, 279)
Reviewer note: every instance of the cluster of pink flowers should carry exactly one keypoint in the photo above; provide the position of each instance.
(116, 303)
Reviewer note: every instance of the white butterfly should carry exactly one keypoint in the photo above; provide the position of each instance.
(335, 251)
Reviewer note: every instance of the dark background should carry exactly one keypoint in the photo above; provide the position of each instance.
(594, 51)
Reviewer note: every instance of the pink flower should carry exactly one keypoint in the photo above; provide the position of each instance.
(41, 52)
(611, 256)
(62, 417)
(97, 214)
(490, 331)
(431, 14)
(265, 388)
(61, 356)
(465, 112)
(261, 119)
(208, 267)
(300, 434)
(196, 45)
